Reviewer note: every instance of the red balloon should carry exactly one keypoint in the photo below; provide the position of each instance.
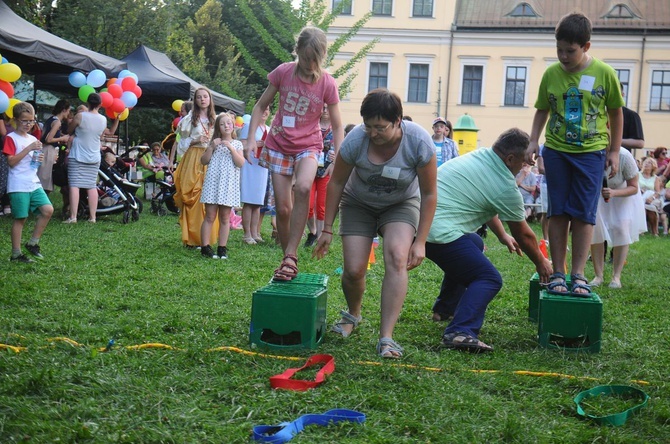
(175, 122)
(115, 90)
(138, 91)
(111, 114)
(107, 99)
(118, 106)
(111, 81)
(128, 83)
(7, 88)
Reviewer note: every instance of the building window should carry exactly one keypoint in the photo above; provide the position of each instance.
(382, 7)
(472, 85)
(523, 10)
(515, 86)
(346, 8)
(660, 91)
(621, 11)
(379, 75)
(624, 79)
(418, 83)
(422, 8)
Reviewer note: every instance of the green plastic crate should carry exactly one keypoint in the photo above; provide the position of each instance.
(534, 289)
(288, 315)
(306, 279)
(570, 323)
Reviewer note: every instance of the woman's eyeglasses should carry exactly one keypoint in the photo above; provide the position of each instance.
(376, 129)
(27, 122)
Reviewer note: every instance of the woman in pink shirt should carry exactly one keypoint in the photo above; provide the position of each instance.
(294, 142)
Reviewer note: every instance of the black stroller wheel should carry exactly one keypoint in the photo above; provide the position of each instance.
(155, 206)
(140, 206)
(135, 216)
(161, 211)
(126, 216)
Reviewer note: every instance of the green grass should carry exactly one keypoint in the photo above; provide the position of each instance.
(135, 284)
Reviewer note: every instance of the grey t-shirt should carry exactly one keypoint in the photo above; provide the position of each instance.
(391, 182)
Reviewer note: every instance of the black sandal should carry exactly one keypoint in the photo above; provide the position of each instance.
(580, 286)
(557, 280)
(465, 342)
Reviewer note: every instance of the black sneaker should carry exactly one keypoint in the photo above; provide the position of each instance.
(311, 238)
(23, 259)
(208, 252)
(34, 250)
(222, 252)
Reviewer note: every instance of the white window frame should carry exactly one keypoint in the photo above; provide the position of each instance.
(509, 62)
(419, 59)
(377, 58)
(380, 15)
(631, 67)
(411, 10)
(332, 5)
(472, 61)
(654, 65)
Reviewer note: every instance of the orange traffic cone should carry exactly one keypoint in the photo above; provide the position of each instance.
(371, 258)
(543, 249)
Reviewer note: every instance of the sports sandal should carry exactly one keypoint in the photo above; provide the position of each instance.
(557, 280)
(389, 349)
(465, 342)
(347, 319)
(287, 271)
(583, 285)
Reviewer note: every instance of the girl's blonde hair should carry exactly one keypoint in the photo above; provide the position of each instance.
(314, 39)
(211, 114)
(217, 126)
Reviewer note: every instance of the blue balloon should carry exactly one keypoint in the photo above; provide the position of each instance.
(96, 78)
(246, 119)
(4, 102)
(129, 99)
(123, 73)
(77, 79)
(4, 60)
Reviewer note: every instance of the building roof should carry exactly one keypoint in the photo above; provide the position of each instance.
(618, 16)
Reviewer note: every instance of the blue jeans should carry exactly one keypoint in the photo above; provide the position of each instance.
(470, 282)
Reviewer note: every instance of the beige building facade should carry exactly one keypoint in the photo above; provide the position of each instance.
(485, 58)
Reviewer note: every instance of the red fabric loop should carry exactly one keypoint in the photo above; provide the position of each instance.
(284, 381)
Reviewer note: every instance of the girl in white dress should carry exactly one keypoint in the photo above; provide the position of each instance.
(221, 187)
(619, 219)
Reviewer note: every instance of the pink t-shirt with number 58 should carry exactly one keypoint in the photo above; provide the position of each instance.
(295, 127)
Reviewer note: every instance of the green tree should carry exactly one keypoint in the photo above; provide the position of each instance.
(279, 27)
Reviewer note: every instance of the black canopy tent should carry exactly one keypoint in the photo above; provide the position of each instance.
(162, 82)
(160, 79)
(36, 51)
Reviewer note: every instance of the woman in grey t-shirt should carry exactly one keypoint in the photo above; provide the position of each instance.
(384, 182)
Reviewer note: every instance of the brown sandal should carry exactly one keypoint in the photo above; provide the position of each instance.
(287, 271)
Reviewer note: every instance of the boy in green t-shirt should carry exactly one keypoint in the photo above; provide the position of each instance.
(579, 96)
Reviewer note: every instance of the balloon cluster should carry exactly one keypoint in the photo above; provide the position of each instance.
(119, 96)
(9, 72)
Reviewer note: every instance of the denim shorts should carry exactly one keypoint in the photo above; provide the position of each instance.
(574, 182)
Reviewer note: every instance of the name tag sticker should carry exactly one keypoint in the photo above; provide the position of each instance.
(586, 83)
(288, 121)
(391, 172)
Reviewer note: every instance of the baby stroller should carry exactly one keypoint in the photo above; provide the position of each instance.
(115, 195)
(164, 196)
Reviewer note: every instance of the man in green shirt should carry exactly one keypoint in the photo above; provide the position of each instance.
(478, 188)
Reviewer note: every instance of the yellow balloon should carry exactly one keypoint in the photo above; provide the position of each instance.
(124, 114)
(9, 72)
(176, 105)
(10, 108)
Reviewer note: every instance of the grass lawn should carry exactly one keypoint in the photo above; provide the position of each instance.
(135, 284)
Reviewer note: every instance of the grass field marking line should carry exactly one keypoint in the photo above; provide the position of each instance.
(152, 345)
(66, 340)
(250, 353)
(13, 348)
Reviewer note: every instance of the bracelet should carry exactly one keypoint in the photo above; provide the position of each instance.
(327, 232)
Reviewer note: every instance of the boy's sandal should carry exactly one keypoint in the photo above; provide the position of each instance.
(389, 349)
(584, 285)
(557, 280)
(347, 319)
(70, 220)
(465, 342)
(287, 271)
